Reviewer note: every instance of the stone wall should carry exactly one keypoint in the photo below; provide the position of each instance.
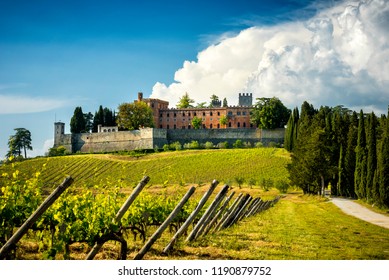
(149, 138)
(221, 135)
(113, 141)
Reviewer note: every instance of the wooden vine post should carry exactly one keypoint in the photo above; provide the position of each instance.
(207, 213)
(191, 217)
(119, 215)
(164, 225)
(11, 243)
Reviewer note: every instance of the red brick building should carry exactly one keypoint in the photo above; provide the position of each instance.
(237, 116)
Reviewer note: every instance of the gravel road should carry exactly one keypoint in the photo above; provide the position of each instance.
(354, 209)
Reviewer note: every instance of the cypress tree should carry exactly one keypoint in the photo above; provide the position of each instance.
(77, 122)
(342, 187)
(371, 191)
(360, 169)
(291, 130)
(350, 158)
(383, 165)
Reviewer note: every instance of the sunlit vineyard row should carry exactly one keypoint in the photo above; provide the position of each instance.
(197, 167)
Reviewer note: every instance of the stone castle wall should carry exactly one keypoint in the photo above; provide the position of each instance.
(149, 138)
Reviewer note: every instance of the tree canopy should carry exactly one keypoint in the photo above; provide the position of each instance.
(185, 102)
(269, 113)
(135, 115)
(20, 140)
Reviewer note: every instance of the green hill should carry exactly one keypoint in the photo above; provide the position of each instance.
(181, 167)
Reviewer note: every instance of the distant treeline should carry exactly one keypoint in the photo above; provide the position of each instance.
(341, 148)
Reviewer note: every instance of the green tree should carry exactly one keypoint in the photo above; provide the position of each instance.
(291, 130)
(225, 103)
(88, 122)
(21, 140)
(214, 100)
(383, 164)
(223, 120)
(371, 190)
(201, 105)
(360, 155)
(350, 158)
(197, 122)
(77, 122)
(311, 167)
(269, 113)
(185, 102)
(135, 115)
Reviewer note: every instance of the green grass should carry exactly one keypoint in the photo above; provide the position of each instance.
(181, 167)
(300, 227)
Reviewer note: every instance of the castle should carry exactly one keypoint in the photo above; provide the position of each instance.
(171, 125)
(238, 116)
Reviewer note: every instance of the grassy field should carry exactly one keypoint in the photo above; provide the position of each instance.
(182, 167)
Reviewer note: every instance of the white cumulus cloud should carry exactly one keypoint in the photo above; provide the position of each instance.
(339, 56)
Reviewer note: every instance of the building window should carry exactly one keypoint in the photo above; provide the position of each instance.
(238, 113)
(188, 126)
(210, 113)
(160, 126)
(203, 114)
(229, 124)
(183, 127)
(218, 113)
(218, 125)
(175, 114)
(167, 126)
(174, 126)
(160, 115)
(189, 114)
(152, 105)
(194, 114)
(211, 119)
(244, 113)
(167, 115)
(210, 126)
(230, 113)
(183, 114)
(204, 126)
(238, 124)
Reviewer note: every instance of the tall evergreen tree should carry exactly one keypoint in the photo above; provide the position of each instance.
(291, 130)
(383, 164)
(371, 191)
(360, 165)
(77, 122)
(341, 186)
(350, 158)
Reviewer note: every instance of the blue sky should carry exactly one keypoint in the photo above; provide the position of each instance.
(56, 55)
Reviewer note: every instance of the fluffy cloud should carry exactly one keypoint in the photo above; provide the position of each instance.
(340, 56)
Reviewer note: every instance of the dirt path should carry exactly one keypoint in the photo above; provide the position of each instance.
(354, 209)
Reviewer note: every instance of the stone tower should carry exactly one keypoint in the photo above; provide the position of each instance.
(246, 99)
(59, 130)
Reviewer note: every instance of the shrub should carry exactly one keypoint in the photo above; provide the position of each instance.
(208, 145)
(267, 184)
(238, 144)
(258, 145)
(239, 180)
(176, 146)
(194, 145)
(223, 145)
(273, 145)
(282, 186)
(166, 147)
